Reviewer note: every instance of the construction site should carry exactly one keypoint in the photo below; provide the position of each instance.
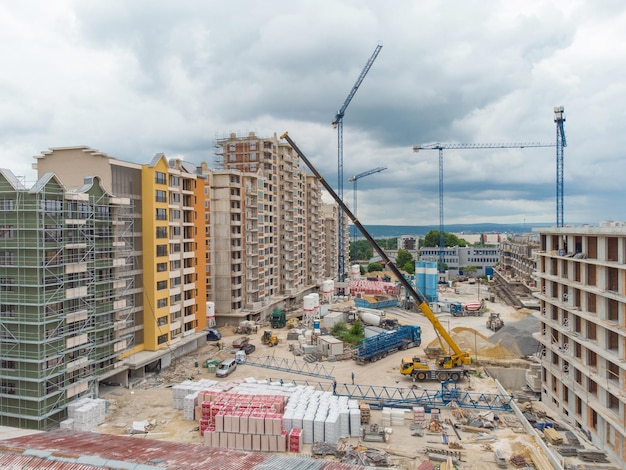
(289, 400)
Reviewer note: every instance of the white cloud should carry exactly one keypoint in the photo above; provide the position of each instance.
(136, 78)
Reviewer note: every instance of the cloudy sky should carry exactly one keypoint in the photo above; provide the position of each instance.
(133, 78)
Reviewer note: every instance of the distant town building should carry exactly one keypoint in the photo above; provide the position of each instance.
(457, 258)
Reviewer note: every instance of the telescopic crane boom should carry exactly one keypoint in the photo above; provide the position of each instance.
(454, 358)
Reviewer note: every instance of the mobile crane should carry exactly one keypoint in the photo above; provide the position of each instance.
(452, 363)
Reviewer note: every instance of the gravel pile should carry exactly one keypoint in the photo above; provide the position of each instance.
(518, 336)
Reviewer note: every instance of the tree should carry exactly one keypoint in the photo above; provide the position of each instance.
(470, 270)
(449, 239)
(374, 267)
(405, 261)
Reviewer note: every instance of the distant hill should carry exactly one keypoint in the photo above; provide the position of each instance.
(392, 231)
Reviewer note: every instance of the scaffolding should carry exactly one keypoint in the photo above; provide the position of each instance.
(63, 274)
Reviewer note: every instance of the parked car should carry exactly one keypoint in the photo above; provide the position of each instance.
(213, 335)
(248, 348)
(226, 367)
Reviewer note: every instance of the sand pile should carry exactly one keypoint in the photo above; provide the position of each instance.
(471, 340)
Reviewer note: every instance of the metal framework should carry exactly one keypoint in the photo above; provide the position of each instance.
(338, 124)
(440, 147)
(561, 143)
(63, 274)
(355, 180)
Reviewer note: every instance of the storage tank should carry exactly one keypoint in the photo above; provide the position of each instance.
(316, 299)
(328, 286)
(430, 281)
(210, 309)
(420, 276)
(309, 303)
(355, 271)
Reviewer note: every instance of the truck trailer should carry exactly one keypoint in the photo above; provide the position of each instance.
(379, 346)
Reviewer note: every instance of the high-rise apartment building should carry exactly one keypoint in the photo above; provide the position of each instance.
(66, 267)
(173, 252)
(262, 188)
(581, 273)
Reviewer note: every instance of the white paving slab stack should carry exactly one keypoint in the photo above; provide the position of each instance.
(85, 414)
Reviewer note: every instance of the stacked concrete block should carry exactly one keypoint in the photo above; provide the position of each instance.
(85, 414)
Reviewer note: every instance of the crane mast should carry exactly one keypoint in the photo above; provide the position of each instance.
(355, 180)
(561, 142)
(441, 147)
(458, 357)
(338, 124)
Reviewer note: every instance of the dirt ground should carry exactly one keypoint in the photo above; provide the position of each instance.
(152, 399)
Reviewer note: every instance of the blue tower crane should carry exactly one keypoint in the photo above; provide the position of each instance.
(441, 147)
(354, 180)
(561, 142)
(338, 124)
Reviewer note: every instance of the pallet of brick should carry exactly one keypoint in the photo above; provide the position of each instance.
(364, 408)
(332, 432)
(386, 417)
(397, 417)
(295, 441)
(419, 415)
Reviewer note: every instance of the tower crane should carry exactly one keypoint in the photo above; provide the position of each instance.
(559, 119)
(338, 124)
(441, 147)
(354, 180)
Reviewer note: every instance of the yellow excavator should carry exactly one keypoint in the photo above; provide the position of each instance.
(452, 363)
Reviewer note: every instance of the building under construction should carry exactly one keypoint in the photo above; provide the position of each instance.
(66, 295)
(581, 275)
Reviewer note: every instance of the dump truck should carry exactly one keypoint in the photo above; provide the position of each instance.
(379, 346)
(454, 359)
(278, 318)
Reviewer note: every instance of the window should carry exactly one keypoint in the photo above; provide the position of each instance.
(7, 311)
(174, 215)
(253, 156)
(159, 178)
(51, 206)
(6, 232)
(161, 232)
(162, 321)
(160, 196)
(161, 214)
(174, 247)
(174, 265)
(7, 205)
(161, 250)
(7, 387)
(162, 339)
(174, 181)
(161, 303)
(161, 267)
(175, 231)
(174, 198)
(7, 258)
(6, 364)
(161, 285)
(176, 281)
(6, 284)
